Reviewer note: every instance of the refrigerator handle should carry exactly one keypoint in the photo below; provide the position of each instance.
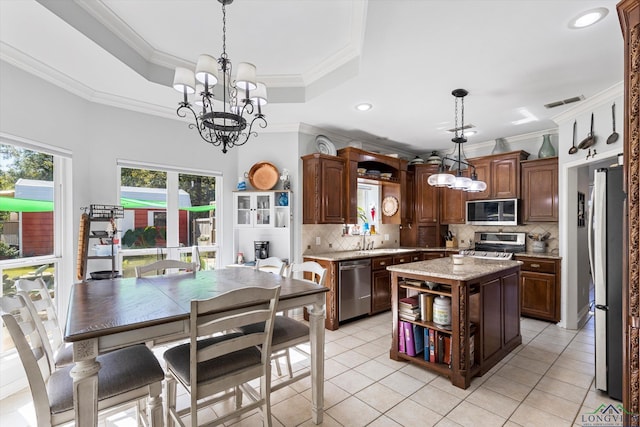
(590, 233)
(602, 307)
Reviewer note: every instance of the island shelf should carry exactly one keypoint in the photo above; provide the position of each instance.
(485, 312)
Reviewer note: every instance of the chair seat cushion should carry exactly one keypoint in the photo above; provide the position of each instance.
(120, 371)
(64, 356)
(284, 329)
(177, 359)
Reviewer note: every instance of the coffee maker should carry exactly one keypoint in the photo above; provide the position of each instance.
(261, 249)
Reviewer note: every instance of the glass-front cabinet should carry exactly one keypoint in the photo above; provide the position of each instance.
(252, 209)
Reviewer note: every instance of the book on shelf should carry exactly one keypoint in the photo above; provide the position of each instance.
(408, 303)
(401, 337)
(440, 347)
(413, 316)
(409, 344)
(447, 350)
(432, 346)
(418, 338)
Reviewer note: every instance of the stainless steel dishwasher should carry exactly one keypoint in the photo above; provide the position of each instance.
(354, 288)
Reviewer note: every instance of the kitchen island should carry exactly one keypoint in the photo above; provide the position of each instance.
(485, 315)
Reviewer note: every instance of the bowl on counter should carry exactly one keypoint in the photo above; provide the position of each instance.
(457, 259)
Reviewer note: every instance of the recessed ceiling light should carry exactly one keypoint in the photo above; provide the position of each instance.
(588, 18)
(364, 107)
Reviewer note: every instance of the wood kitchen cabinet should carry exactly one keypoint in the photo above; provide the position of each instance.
(323, 200)
(426, 196)
(540, 288)
(453, 205)
(501, 172)
(540, 190)
(380, 284)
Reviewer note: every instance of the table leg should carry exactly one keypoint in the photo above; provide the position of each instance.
(316, 331)
(85, 382)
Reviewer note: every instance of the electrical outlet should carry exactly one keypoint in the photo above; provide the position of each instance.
(386, 237)
(318, 241)
(308, 246)
(330, 245)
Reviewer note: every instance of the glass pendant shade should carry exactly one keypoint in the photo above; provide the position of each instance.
(476, 186)
(461, 183)
(441, 180)
(184, 81)
(207, 70)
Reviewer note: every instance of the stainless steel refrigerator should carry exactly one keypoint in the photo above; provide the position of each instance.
(605, 254)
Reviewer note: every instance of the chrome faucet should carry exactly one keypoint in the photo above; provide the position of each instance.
(364, 242)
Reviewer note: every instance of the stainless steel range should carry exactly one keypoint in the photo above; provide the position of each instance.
(496, 245)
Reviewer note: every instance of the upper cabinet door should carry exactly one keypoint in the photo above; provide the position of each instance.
(540, 190)
(253, 209)
(483, 170)
(426, 196)
(323, 198)
(505, 183)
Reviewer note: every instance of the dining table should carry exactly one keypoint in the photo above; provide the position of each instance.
(105, 315)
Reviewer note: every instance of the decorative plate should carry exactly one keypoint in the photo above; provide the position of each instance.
(263, 176)
(325, 146)
(389, 206)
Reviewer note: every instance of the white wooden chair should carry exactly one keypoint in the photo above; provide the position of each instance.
(37, 291)
(288, 332)
(161, 267)
(126, 376)
(224, 360)
(272, 264)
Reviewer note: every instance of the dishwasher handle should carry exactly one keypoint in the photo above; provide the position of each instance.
(353, 266)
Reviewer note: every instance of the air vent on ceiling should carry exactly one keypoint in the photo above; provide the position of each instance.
(465, 127)
(564, 102)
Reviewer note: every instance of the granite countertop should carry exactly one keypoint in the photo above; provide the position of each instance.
(444, 268)
(378, 252)
(539, 255)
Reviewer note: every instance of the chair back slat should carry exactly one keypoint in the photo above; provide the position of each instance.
(272, 264)
(37, 291)
(317, 271)
(160, 267)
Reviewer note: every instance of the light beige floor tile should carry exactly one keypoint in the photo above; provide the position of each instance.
(528, 416)
(352, 381)
(384, 421)
(552, 404)
(507, 387)
(494, 402)
(520, 375)
(540, 354)
(353, 412)
(511, 424)
(293, 411)
(380, 397)
(418, 372)
(446, 422)
(580, 346)
(546, 346)
(529, 364)
(374, 370)
(578, 355)
(255, 420)
(594, 399)
(444, 384)
(562, 389)
(372, 334)
(572, 377)
(402, 383)
(332, 394)
(331, 349)
(409, 413)
(435, 399)
(331, 336)
(332, 368)
(351, 358)
(395, 364)
(350, 342)
(282, 394)
(547, 339)
(575, 365)
(372, 350)
(468, 414)
(327, 421)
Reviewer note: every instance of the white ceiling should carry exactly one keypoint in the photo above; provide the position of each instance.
(320, 58)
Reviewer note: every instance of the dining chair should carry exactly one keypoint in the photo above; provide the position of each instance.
(272, 264)
(289, 333)
(215, 361)
(126, 376)
(160, 267)
(37, 291)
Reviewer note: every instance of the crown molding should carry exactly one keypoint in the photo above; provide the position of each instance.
(596, 100)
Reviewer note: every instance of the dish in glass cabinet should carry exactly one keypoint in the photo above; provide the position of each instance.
(325, 146)
(389, 206)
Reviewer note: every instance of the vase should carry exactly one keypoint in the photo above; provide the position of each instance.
(500, 147)
(546, 149)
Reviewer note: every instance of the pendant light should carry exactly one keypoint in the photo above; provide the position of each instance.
(459, 163)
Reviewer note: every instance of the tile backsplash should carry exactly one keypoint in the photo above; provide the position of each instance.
(331, 239)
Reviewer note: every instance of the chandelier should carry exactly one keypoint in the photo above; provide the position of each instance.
(222, 127)
(459, 163)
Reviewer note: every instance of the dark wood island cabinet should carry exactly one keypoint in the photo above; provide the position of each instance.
(485, 313)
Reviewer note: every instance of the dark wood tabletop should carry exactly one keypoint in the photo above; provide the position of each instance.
(104, 307)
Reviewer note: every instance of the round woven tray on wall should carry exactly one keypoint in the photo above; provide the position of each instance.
(263, 176)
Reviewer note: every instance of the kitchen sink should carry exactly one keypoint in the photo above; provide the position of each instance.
(384, 251)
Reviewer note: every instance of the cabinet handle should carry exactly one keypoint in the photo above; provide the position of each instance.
(401, 259)
(383, 263)
(535, 265)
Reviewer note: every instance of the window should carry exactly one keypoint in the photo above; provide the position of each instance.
(31, 199)
(167, 213)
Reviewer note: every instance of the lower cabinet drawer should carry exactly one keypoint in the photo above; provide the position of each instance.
(381, 263)
(540, 266)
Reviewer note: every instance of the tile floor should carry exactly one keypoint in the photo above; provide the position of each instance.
(547, 381)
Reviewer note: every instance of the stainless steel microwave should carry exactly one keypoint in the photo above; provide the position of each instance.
(493, 212)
